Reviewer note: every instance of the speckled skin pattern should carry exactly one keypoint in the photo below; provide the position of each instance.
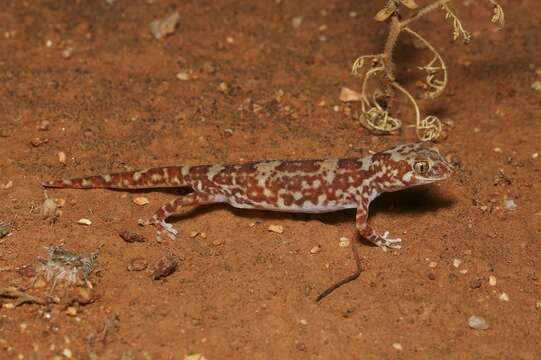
(305, 186)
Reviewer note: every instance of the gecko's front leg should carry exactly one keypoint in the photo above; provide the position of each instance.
(366, 231)
(175, 207)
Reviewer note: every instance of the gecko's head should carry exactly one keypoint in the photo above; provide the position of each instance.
(413, 164)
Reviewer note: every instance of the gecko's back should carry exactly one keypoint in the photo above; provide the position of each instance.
(293, 185)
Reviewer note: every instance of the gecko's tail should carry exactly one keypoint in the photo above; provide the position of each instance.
(162, 177)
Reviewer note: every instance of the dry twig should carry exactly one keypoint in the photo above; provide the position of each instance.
(375, 115)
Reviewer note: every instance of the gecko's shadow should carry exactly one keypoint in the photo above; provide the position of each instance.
(416, 200)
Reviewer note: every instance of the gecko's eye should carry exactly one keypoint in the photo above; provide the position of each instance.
(421, 167)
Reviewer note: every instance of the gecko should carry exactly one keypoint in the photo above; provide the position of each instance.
(300, 186)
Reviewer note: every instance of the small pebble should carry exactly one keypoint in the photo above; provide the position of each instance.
(8, 306)
(85, 296)
(477, 323)
(344, 242)
(303, 322)
(131, 237)
(195, 357)
(538, 304)
(279, 229)
(61, 157)
(475, 284)
(536, 85)
(349, 95)
(218, 242)
(71, 311)
(137, 264)
(223, 87)
(296, 22)
(67, 52)
(44, 125)
(315, 249)
(457, 262)
(510, 205)
(497, 150)
(164, 26)
(35, 142)
(432, 264)
(84, 221)
(503, 297)
(67, 353)
(183, 75)
(7, 185)
(141, 201)
(535, 155)
(492, 280)
(397, 346)
(165, 267)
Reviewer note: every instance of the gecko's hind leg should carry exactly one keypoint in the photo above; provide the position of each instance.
(176, 206)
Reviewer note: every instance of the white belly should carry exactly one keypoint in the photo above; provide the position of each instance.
(307, 207)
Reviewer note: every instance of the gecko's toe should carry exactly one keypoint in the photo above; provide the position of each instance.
(168, 229)
(390, 243)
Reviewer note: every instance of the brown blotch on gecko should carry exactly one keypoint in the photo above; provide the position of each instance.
(303, 186)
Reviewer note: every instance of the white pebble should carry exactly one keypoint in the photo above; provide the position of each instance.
(503, 297)
(538, 304)
(61, 157)
(349, 95)
(457, 262)
(536, 85)
(497, 150)
(492, 280)
(67, 353)
(279, 229)
(397, 346)
(315, 249)
(141, 201)
(344, 242)
(195, 357)
(477, 323)
(84, 221)
(535, 155)
(183, 75)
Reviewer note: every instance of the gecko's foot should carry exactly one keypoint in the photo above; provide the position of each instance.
(163, 227)
(389, 243)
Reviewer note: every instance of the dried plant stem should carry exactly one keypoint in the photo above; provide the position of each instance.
(377, 117)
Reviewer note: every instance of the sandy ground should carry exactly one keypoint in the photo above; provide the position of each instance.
(88, 79)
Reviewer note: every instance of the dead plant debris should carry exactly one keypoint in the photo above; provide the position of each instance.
(376, 111)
